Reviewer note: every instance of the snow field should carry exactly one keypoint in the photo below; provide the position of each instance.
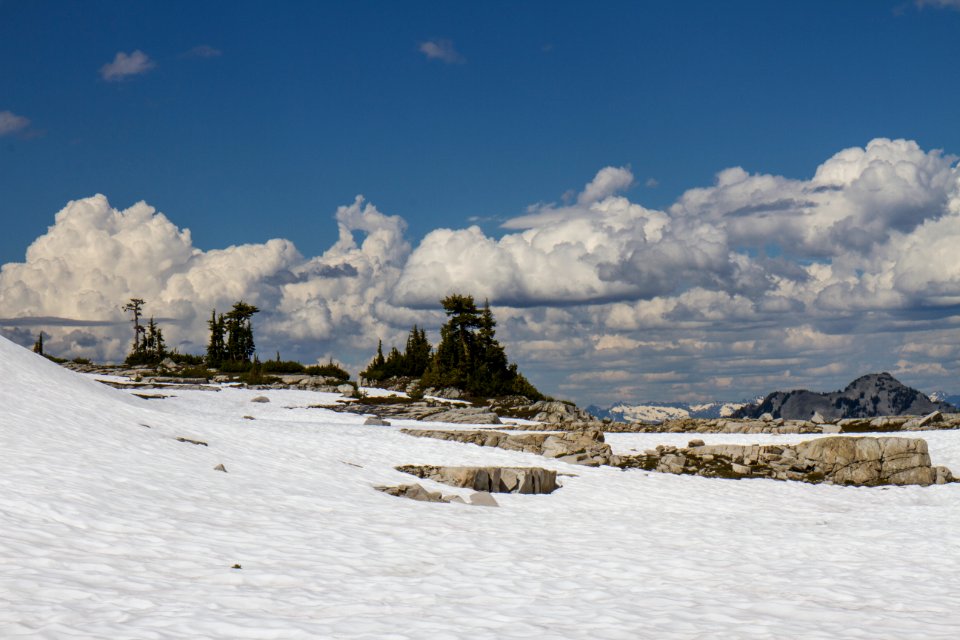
(113, 529)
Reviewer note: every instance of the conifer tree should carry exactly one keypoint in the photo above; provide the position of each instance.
(153, 347)
(239, 342)
(38, 345)
(135, 306)
(411, 363)
(216, 348)
(470, 358)
(417, 353)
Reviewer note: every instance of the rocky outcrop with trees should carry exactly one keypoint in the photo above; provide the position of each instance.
(468, 359)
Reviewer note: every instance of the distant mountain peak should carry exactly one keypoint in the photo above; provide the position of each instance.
(656, 412)
(874, 394)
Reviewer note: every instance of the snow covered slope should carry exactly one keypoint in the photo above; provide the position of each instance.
(656, 412)
(111, 528)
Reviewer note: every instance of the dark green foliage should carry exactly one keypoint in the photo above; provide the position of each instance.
(234, 367)
(153, 341)
(81, 361)
(135, 306)
(240, 346)
(149, 347)
(470, 358)
(54, 358)
(280, 366)
(231, 336)
(330, 370)
(216, 347)
(38, 345)
(413, 362)
(256, 375)
(193, 372)
(186, 359)
(417, 353)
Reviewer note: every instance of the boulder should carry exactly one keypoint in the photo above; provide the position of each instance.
(464, 415)
(414, 492)
(554, 411)
(926, 421)
(483, 499)
(449, 393)
(374, 421)
(526, 480)
(260, 399)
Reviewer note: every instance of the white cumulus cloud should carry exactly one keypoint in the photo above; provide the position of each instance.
(125, 65)
(752, 282)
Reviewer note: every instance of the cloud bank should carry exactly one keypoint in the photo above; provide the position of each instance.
(754, 282)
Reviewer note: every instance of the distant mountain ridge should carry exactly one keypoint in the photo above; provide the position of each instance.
(656, 412)
(943, 396)
(875, 394)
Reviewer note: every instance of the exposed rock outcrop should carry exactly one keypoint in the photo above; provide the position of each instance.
(876, 394)
(862, 461)
(489, 479)
(577, 447)
(779, 426)
(417, 492)
(553, 411)
(423, 410)
(464, 415)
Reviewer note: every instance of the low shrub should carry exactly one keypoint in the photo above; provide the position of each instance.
(330, 370)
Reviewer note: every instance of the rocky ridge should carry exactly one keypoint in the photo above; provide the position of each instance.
(872, 395)
(861, 461)
(585, 447)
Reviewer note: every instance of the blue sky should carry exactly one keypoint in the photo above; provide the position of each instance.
(246, 121)
(312, 103)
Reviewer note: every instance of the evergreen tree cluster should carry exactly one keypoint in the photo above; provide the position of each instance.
(469, 357)
(231, 335)
(412, 362)
(148, 345)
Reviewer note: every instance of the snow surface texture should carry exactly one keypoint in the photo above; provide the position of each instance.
(111, 528)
